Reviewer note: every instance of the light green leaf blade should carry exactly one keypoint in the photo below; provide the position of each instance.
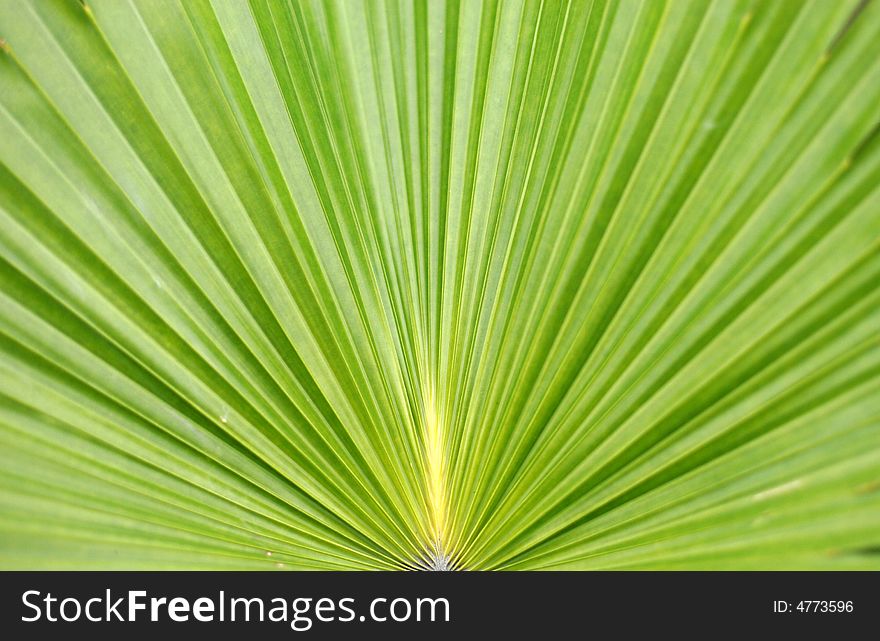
(400, 284)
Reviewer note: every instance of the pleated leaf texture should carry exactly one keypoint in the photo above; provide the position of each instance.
(318, 284)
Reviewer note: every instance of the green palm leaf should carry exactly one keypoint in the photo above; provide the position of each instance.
(489, 285)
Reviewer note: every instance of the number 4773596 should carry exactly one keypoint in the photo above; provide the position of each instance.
(824, 606)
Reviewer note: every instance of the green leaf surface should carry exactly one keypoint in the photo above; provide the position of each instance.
(391, 284)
